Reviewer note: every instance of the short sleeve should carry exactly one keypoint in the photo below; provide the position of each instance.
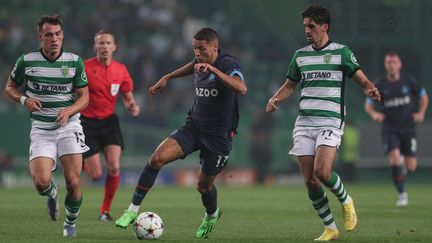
(349, 62)
(369, 101)
(18, 72)
(127, 84)
(232, 68)
(294, 73)
(80, 79)
(422, 92)
(416, 88)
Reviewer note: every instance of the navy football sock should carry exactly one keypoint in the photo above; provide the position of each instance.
(398, 176)
(145, 182)
(209, 200)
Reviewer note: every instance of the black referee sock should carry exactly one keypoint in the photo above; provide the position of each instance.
(398, 176)
(145, 182)
(209, 200)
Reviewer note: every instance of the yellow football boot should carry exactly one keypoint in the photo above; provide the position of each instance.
(328, 235)
(349, 215)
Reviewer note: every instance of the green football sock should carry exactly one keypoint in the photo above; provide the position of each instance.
(72, 210)
(320, 203)
(51, 191)
(336, 186)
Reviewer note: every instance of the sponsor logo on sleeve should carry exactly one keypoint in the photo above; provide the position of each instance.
(211, 77)
(354, 59)
(13, 71)
(84, 76)
(115, 89)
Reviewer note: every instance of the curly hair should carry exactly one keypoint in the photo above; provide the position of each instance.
(318, 14)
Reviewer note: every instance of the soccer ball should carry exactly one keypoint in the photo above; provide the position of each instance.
(148, 226)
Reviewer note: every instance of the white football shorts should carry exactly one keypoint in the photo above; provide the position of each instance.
(306, 139)
(53, 144)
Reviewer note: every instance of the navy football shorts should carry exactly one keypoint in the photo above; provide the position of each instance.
(403, 139)
(214, 149)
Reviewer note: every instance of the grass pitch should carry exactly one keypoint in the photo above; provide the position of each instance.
(255, 214)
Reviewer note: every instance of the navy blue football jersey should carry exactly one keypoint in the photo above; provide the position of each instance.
(215, 107)
(399, 100)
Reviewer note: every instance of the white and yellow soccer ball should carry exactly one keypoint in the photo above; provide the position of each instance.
(148, 226)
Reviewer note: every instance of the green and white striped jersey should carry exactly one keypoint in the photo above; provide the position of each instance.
(53, 83)
(321, 74)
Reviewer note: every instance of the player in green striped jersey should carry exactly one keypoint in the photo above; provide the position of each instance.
(320, 68)
(55, 92)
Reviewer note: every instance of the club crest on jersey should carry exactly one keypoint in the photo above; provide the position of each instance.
(64, 71)
(115, 89)
(327, 58)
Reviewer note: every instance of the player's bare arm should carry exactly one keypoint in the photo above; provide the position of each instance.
(12, 92)
(420, 114)
(374, 114)
(368, 87)
(79, 105)
(284, 92)
(235, 83)
(130, 104)
(160, 85)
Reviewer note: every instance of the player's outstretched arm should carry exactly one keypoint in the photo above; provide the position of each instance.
(80, 104)
(284, 92)
(12, 92)
(233, 82)
(368, 87)
(130, 104)
(160, 85)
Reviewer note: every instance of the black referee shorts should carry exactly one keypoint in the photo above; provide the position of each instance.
(100, 133)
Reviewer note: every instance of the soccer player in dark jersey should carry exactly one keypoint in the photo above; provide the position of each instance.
(210, 126)
(107, 78)
(403, 105)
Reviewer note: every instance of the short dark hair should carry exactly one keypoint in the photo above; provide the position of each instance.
(50, 19)
(391, 53)
(105, 32)
(206, 34)
(318, 14)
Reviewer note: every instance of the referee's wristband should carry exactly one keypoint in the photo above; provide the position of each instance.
(23, 100)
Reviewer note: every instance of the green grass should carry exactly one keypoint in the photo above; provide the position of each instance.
(257, 214)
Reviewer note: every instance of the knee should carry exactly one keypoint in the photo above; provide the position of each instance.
(322, 175)
(394, 157)
(204, 187)
(41, 183)
(72, 185)
(157, 161)
(113, 170)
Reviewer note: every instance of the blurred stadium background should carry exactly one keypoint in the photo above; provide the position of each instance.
(154, 37)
